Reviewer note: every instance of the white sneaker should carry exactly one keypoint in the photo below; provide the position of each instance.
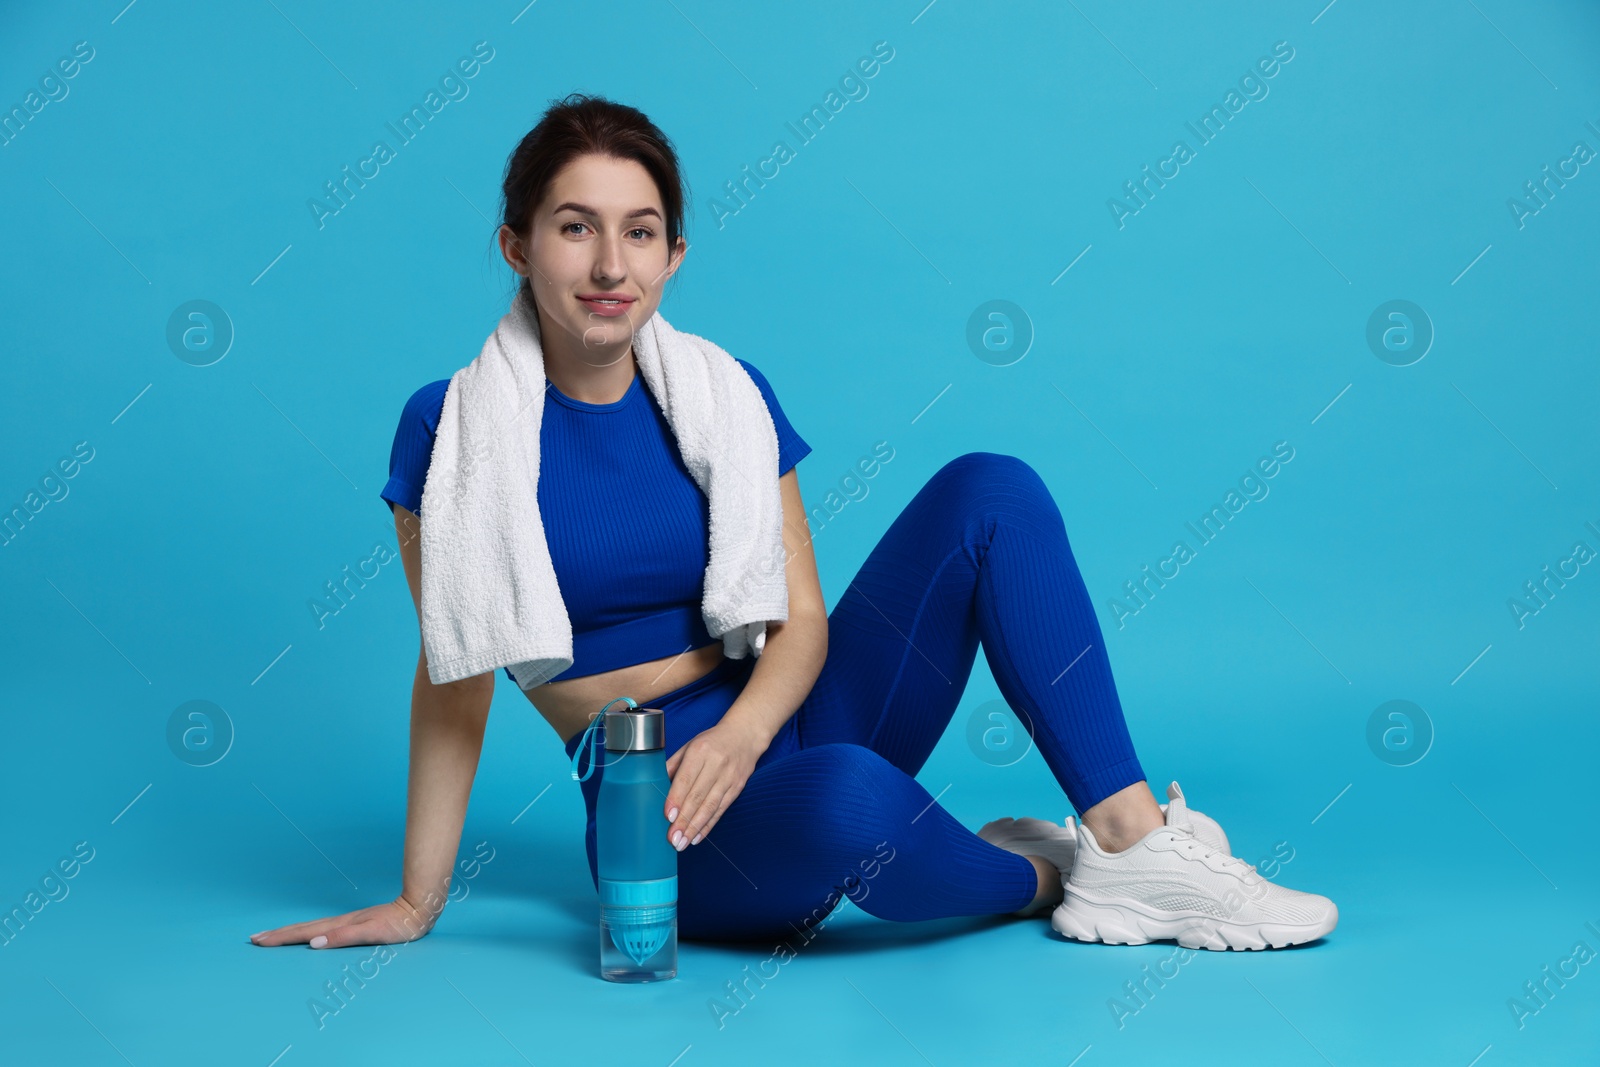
(1206, 829)
(1059, 843)
(1170, 884)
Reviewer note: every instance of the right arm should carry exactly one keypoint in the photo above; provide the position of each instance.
(447, 727)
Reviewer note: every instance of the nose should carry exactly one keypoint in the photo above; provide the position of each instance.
(609, 266)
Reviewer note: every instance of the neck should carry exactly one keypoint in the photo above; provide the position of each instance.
(584, 372)
(591, 384)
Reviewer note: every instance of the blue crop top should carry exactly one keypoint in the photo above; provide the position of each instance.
(627, 527)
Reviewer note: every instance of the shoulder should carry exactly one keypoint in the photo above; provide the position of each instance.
(792, 448)
(750, 368)
(756, 376)
(412, 451)
(424, 405)
(711, 348)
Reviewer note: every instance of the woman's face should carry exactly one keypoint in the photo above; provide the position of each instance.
(600, 231)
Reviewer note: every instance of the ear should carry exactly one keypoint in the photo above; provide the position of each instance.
(512, 251)
(676, 259)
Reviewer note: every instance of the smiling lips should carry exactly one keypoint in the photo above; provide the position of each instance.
(609, 305)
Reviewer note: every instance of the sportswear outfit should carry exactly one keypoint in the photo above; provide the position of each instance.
(979, 555)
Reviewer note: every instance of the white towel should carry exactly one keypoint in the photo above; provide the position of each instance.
(489, 592)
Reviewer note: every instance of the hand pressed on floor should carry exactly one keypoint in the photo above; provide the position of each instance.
(382, 924)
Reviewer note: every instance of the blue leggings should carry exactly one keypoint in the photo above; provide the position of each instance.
(833, 809)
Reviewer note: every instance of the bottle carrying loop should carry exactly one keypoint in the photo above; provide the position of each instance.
(588, 733)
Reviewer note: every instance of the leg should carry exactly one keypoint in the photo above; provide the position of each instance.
(1124, 817)
(813, 826)
(980, 554)
(834, 821)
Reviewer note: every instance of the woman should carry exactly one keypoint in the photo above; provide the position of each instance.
(792, 772)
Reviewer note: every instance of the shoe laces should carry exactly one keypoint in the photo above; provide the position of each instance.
(1195, 848)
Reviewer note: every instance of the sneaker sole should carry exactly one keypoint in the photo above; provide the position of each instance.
(1116, 924)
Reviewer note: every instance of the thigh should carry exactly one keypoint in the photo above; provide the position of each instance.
(808, 830)
(832, 822)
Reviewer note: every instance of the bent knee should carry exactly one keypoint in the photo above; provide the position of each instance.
(995, 484)
(841, 763)
(861, 788)
(982, 472)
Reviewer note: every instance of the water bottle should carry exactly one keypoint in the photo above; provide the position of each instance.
(636, 864)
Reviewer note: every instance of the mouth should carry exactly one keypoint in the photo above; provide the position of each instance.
(607, 304)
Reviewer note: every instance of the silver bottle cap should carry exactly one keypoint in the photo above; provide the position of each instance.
(635, 729)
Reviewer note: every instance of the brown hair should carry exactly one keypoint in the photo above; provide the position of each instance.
(577, 125)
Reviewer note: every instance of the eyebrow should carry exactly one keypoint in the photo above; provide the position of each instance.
(585, 209)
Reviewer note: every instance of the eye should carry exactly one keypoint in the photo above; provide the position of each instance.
(565, 225)
(644, 230)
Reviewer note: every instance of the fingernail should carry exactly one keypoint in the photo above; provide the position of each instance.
(697, 837)
(257, 934)
(673, 814)
(677, 840)
(319, 941)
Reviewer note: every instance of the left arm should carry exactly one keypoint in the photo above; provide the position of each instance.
(710, 770)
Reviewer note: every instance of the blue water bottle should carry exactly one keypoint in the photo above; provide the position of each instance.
(637, 865)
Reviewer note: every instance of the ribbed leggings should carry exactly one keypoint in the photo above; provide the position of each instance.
(832, 809)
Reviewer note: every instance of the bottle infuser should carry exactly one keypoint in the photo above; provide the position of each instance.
(636, 864)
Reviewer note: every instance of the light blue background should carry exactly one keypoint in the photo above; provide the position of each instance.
(1227, 315)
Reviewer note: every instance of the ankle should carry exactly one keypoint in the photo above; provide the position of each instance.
(1116, 842)
(1050, 889)
(1121, 820)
